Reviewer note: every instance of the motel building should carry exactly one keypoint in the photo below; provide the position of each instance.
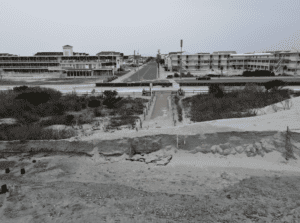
(67, 63)
(277, 61)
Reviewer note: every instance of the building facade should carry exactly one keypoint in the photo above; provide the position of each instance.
(68, 63)
(277, 61)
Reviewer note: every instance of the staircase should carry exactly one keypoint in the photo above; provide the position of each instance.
(278, 65)
(183, 68)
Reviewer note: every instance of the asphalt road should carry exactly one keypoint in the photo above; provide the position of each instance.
(233, 80)
(149, 72)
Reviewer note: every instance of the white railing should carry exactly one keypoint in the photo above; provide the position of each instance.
(122, 94)
(192, 92)
(278, 65)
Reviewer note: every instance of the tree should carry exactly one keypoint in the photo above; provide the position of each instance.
(274, 85)
(94, 103)
(110, 94)
(217, 90)
(284, 68)
(34, 98)
(271, 68)
(221, 68)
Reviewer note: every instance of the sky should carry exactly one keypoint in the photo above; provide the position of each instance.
(92, 26)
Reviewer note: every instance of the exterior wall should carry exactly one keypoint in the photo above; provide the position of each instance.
(68, 51)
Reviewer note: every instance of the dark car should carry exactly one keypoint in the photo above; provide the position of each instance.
(170, 76)
(203, 78)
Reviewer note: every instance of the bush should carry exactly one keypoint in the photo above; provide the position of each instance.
(258, 73)
(32, 132)
(179, 109)
(94, 103)
(34, 98)
(20, 89)
(58, 120)
(85, 118)
(27, 118)
(274, 85)
(123, 120)
(234, 104)
(217, 90)
(176, 75)
(110, 94)
(111, 102)
(189, 74)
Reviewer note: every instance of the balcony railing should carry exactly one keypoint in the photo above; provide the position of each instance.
(25, 67)
(11, 61)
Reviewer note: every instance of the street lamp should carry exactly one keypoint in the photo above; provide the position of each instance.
(138, 67)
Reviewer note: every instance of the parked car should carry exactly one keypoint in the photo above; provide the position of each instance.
(203, 78)
(170, 76)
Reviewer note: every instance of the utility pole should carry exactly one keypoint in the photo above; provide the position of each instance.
(180, 68)
(138, 66)
(158, 60)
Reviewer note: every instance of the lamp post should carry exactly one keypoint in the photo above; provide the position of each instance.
(180, 70)
(112, 63)
(138, 66)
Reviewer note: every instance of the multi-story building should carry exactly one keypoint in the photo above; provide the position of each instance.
(68, 63)
(277, 61)
(199, 61)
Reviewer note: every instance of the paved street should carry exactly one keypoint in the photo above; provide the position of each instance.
(243, 79)
(149, 72)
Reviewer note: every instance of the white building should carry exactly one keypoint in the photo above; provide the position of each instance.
(230, 60)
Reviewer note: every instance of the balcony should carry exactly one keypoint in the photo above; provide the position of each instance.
(294, 58)
(16, 62)
(293, 65)
(23, 67)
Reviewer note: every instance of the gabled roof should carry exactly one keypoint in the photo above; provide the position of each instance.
(67, 46)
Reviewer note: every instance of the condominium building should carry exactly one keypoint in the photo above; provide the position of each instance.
(277, 61)
(68, 63)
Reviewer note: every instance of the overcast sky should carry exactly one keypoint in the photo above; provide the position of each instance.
(91, 26)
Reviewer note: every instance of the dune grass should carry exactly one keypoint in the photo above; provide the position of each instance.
(235, 104)
(35, 108)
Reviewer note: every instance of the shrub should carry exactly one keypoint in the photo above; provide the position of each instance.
(20, 89)
(274, 85)
(176, 75)
(94, 103)
(98, 112)
(58, 120)
(27, 118)
(110, 99)
(123, 120)
(258, 73)
(69, 119)
(32, 132)
(189, 75)
(34, 98)
(86, 117)
(110, 94)
(217, 90)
